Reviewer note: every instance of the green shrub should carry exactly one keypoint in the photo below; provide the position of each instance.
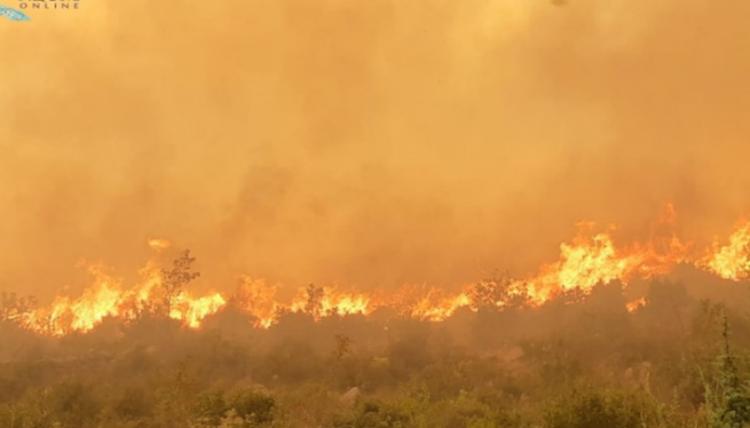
(376, 415)
(73, 405)
(597, 409)
(133, 404)
(210, 407)
(253, 405)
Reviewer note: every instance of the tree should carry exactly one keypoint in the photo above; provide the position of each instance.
(314, 301)
(729, 402)
(175, 279)
(343, 346)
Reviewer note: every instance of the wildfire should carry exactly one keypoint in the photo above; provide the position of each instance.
(435, 305)
(583, 264)
(108, 299)
(66, 315)
(257, 299)
(191, 311)
(636, 304)
(588, 260)
(732, 261)
(325, 301)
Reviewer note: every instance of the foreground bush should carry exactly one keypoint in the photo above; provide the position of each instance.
(596, 408)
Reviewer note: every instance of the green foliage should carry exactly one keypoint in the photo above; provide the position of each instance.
(728, 398)
(377, 415)
(657, 367)
(253, 405)
(133, 404)
(592, 408)
(210, 408)
(73, 405)
(469, 411)
(244, 408)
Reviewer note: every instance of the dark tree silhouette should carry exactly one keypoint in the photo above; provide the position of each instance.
(174, 280)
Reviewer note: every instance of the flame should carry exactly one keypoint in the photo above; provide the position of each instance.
(328, 301)
(732, 261)
(430, 308)
(636, 304)
(67, 315)
(106, 298)
(583, 264)
(425, 303)
(257, 299)
(591, 258)
(159, 244)
(191, 311)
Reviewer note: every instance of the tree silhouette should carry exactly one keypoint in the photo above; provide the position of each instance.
(175, 279)
(314, 301)
(731, 401)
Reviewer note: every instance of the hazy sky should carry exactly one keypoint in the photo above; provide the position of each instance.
(363, 142)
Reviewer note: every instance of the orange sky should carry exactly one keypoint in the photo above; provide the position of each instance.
(363, 142)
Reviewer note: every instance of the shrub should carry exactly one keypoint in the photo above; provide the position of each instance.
(376, 415)
(253, 405)
(210, 407)
(596, 409)
(73, 405)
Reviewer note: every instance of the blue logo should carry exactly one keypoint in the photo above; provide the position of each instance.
(12, 14)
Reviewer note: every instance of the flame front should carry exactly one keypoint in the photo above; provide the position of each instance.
(106, 298)
(732, 261)
(583, 264)
(590, 259)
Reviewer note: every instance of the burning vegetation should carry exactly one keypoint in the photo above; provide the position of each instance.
(608, 335)
(347, 175)
(591, 258)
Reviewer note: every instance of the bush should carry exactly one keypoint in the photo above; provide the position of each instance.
(210, 408)
(253, 406)
(596, 409)
(133, 404)
(247, 408)
(376, 415)
(73, 405)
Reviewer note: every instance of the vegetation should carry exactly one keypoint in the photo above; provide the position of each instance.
(177, 278)
(581, 363)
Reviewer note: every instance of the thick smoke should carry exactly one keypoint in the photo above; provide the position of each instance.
(365, 143)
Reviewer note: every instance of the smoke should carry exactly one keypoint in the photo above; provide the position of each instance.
(363, 143)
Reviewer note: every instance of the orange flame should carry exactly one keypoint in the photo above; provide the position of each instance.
(586, 261)
(191, 311)
(732, 261)
(107, 298)
(257, 299)
(327, 301)
(636, 304)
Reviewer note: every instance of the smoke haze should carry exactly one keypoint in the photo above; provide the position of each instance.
(366, 143)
